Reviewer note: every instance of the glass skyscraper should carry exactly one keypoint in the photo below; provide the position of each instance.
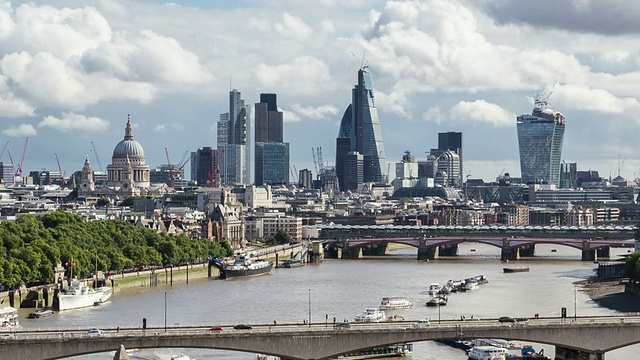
(540, 138)
(360, 132)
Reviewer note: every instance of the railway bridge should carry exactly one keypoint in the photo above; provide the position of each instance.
(575, 338)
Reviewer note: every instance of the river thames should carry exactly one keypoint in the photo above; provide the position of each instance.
(344, 288)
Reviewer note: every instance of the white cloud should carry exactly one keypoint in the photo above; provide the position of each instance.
(75, 122)
(290, 117)
(304, 75)
(21, 130)
(168, 127)
(481, 112)
(293, 27)
(583, 97)
(320, 112)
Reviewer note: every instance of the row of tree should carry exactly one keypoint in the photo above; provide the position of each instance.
(632, 266)
(30, 247)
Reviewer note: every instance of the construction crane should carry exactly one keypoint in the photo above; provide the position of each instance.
(95, 153)
(315, 162)
(212, 176)
(295, 171)
(61, 173)
(3, 149)
(18, 173)
(320, 159)
(171, 174)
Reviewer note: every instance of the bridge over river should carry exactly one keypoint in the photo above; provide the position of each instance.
(350, 241)
(589, 337)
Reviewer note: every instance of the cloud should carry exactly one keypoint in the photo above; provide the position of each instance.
(611, 17)
(481, 112)
(168, 127)
(290, 117)
(289, 76)
(75, 122)
(21, 130)
(293, 27)
(320, 112)
(586, 98)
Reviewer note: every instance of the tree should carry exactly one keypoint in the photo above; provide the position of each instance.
(282, 237)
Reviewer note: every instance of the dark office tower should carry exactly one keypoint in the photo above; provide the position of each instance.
(205, 160)
(361, 126)
(540, 138)
(354, 171)
(305, 179)
(269, 120)
(272, 163)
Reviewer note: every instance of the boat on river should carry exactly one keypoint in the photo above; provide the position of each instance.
(9, 319)
(394, 303)
(487, 352)
(378, 352)
(515, 269)
(243, 265)
(40, 314)
(438, 300)
(289, 263)
(79, 295)
(371, 315)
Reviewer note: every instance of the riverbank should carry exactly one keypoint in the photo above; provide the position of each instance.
(610, 294)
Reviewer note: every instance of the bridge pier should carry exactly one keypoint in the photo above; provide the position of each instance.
(354, 253)
(604, 252)
(333, 252)
(588, 254)
(426, 253)
(376, 250)
(509, 253)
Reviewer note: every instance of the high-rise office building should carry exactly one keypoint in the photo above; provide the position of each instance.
(360, 132)
(540, 137)
(268, 120)
(232, 131)
(271, 152)
(451, 141)
(205, 160)
(353, 171)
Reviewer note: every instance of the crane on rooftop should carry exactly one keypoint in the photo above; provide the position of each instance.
(18, 173)
(62, 183)
(3, 149)
(212, 176)
(105, 184)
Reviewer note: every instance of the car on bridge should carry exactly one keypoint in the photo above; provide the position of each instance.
(506, 319)
(215, 329)
(93, 332)
(342, 326)
(242, 327)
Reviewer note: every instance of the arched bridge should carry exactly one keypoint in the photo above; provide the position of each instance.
(512, 248)
(588, 335)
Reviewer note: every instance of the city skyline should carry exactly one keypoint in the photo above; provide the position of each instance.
(71, 71)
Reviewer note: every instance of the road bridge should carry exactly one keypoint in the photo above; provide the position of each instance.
(590, 336)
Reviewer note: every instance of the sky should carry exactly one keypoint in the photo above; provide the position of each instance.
(72, 70)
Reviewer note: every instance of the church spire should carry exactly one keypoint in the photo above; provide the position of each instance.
(128, 132)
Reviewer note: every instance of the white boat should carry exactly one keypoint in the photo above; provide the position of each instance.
(487, 353)
(79, 295)
(245, 266)
(8, 318)
(371, 315)
(434, 288)
(471, 285)
(394, 302)
(180, 357)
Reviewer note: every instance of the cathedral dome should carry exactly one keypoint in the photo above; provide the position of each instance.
(128, 147)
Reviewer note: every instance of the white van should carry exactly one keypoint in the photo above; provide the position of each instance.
(420, 324)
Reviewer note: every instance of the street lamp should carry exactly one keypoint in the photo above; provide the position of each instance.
(309, 307)
(438, 313)
(165, 311)
(575, 302)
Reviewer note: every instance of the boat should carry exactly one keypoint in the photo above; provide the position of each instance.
(289, 263)
(394, 350)
(9, 319)
(470, 284)
(245, 266)
(438, 300)
(434, 288)
(40, 313)
(79, 295)
(180, 357)
(394, 303)
(462, 344)
(371, 315)
(527, 352)
(487, 352)
(516, 269)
